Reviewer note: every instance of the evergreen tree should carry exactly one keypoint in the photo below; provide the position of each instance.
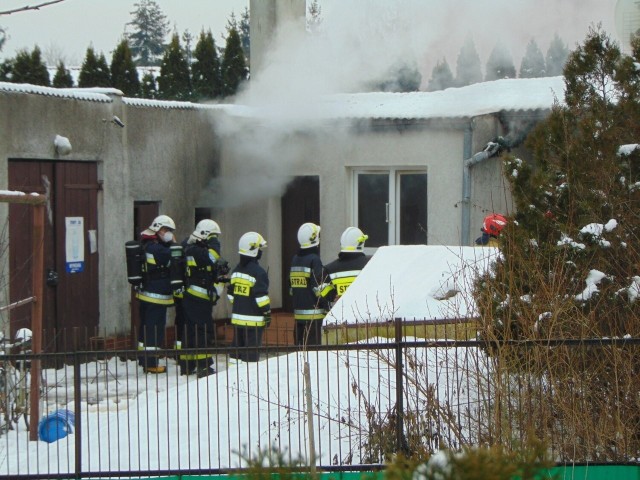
(29, 68)
(187, 39)
(148, 86)
(174, 82)
(557, 55)
(245, 34)
(94, 71)
(468, 70)
(569, 263)
(6, 70)
(234, 68)
(441, 77)
(124, 75)
(205, 70)
(62, 78)
(313, 19)
(532, 65)
(150, 27)
(500, 64)
(401, 77)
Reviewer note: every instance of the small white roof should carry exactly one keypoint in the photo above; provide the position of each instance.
(414, 282)
(512, 95)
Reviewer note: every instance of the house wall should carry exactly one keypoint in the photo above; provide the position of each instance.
(163, 153)
(333, 153)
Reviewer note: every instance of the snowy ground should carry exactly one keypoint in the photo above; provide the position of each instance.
(130, 421)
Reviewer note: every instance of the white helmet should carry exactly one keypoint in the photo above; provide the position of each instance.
(162, 221)
(309, 235)
(352, 240)
(250, 243)
(205, 229)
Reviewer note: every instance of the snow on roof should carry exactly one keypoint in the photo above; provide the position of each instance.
(478, 99)
(90, 94)
(414, 282)
(483, 98)
(145, 102)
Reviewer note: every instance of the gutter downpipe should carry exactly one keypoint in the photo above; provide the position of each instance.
(469, 162)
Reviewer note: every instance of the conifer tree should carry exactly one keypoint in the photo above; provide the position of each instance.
(6, 70)
(568, 268)
(29, 68)
(532, 65)
(234, 68)
(400, 77)
(314, 20)
(557, 55)
(174, 82)
(441, 77)
(150, 28)
(62, 78)
(124, 75)
(148, 86)
(245, 34)
(468, 70)
(205, 70)
(94, 71)
(500, 64)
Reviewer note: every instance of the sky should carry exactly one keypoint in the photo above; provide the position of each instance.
(432, 28)
(133, 421)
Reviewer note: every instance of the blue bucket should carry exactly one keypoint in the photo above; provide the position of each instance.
(56, 425)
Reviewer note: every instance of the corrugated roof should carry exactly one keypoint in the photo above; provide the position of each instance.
(88, 94)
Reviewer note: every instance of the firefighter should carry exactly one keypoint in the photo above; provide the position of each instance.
(305, 278)
(204, 269)
(249, 295)
(156, 292)
(351, 260)
(492, 225)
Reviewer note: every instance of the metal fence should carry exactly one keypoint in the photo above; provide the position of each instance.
(338, 407)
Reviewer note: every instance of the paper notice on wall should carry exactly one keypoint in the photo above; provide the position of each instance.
(74, 244)
(93, 241)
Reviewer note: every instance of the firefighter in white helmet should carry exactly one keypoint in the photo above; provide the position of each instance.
(248, 293)
(305, 278)
(205, 269)
(351, 260)
(155, 293)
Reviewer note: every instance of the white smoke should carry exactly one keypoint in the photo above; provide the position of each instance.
(358, 42)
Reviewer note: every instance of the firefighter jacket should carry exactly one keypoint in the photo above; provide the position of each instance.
(249, 293)
(341, 273)
(201, 270)
(156, 281)
(305, 278)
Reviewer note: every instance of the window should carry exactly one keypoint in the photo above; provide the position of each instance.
(391, 206)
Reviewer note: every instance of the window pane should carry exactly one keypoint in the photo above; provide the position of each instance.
(373, 197)
(413, 208)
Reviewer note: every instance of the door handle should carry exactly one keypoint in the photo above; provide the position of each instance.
(52, 277)
(386, 206)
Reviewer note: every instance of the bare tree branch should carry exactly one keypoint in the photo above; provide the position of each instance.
(30, 7)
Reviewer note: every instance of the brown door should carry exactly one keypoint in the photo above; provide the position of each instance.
(143, 215)
(300, 204)
(71, 311)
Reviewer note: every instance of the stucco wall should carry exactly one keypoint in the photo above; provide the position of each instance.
(163, 153)
(333, 153)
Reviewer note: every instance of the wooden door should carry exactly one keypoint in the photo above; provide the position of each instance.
(71, 311)
(300, 204)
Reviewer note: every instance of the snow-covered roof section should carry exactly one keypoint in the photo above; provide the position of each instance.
(414, 282)
(145, 102)
(88, 94)
(511, 95)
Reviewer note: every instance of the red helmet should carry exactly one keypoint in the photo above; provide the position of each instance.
(493, 224)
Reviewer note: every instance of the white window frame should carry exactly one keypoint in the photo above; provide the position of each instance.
(393, 204)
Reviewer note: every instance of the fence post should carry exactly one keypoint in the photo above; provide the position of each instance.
(401, 445)
(77, 397)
